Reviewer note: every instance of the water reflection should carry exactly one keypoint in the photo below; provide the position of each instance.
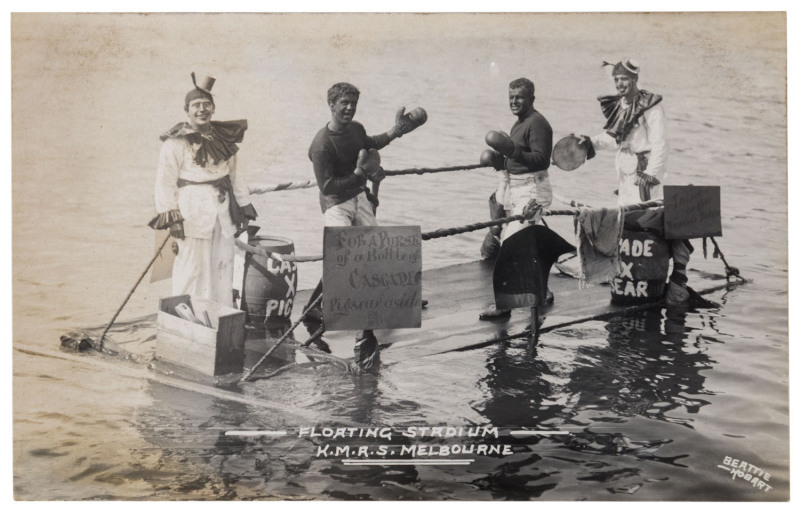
(649, 364)
(193, 432)
(649, 368)
(597, 388)
(519, 388)
(596, 382)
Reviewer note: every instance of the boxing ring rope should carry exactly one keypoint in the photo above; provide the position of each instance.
(288, 186)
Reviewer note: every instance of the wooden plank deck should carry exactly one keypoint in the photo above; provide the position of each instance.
(458, 294)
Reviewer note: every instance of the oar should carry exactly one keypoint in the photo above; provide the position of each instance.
(152, 261)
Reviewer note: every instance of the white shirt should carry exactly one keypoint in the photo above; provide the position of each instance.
(648, 134)
(199, 205)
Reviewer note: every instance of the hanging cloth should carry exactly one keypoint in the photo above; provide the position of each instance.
(598, 233)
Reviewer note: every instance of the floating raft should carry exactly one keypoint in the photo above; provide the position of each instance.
(457, 295)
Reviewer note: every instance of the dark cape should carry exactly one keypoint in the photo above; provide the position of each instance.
(620, 121)
(219, 145)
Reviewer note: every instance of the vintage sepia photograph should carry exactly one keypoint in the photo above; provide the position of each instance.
(399, 256)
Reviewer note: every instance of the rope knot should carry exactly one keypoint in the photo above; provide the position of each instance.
(532, 210)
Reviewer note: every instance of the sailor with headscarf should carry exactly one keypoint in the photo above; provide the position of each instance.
(200, 197)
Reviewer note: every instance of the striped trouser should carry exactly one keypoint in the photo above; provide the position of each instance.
(681, 252)
(677, 293)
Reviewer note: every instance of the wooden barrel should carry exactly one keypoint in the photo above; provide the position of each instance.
(644, 258)
(269, 284)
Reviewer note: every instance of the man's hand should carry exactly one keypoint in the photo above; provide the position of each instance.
(242, 225)
(494, 159)
(645, 183)
(176, 230)
(586, 142)
(644, 178)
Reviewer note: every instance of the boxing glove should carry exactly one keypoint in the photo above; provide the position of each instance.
(501, 142)
(493, 158)
(407, 122)
(418, 116)
(370, 162)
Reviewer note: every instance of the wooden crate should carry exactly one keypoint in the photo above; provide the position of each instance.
(211, 351)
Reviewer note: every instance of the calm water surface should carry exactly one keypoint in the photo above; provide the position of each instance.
(652, 403)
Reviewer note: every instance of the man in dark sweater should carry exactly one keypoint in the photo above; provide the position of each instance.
(522, 160)
(345, 159)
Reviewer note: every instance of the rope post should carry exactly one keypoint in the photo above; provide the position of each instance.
(376, 187)
(534, 337)
(729, 270)
(317, 334)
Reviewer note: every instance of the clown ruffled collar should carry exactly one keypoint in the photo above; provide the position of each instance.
(218, 145)
(622, 116)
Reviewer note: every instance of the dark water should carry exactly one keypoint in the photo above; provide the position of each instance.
(650, 405)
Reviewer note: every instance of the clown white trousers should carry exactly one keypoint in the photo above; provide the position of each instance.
(204, 268)
(520, 189)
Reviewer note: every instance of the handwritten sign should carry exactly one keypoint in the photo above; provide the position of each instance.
(691, 211)
(643, 268)
(372, 277)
